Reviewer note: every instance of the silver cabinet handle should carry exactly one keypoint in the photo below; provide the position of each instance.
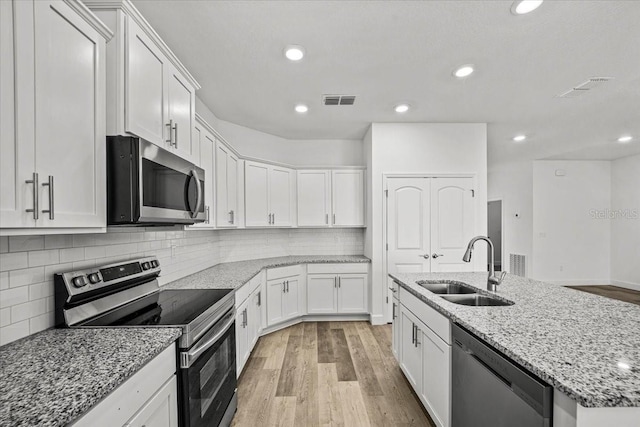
(434, 256)
(50, 185)
(175, 135)
(334, 219)
(273, 217)
(269, 216)
(413, 334)
(393, 290)
(425, 256)
(207, 211)
(284, 288)
(393, 312)
(326, 219)
(231, 217)
(417, 333)
(287, 286)
(335, 282)
(170, 125)
(244, 318)
(339, 281)
(36, 209)
(259, 298)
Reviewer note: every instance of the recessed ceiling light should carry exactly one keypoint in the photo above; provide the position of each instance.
(525, 6)
(519, 138)
(401, 108)
(294, 52)
(463, 71)
(625, 139)
(301, 108)
(623, 365)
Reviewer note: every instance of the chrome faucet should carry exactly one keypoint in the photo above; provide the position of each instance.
(493, 281)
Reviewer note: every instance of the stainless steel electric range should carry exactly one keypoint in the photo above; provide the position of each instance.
(127, 294)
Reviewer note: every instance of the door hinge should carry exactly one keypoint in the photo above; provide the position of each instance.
(473, 193)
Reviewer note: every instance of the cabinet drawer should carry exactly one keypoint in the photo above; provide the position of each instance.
(437, 322)
(338, 268)
(282, 272)
(243, 292)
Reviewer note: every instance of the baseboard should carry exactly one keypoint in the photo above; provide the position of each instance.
(377, 319)
(626, 285)
(315, 318)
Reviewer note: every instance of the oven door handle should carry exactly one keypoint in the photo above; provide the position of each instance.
(188, 357)
(196, 210)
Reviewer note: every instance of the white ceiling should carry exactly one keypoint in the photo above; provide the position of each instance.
(387, 52)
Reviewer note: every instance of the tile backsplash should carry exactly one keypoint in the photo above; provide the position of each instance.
(28, 263)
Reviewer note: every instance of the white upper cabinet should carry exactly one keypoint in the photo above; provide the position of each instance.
(269, 195)
(314, 198)
(347, 190)
(53, 63)
(150, 93)
(226, 169)
(207, 145)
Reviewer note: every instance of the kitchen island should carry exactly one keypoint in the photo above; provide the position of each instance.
(587, 347)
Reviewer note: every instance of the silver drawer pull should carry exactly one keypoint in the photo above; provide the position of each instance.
(170, 125)
(34, 181)
(50, 185)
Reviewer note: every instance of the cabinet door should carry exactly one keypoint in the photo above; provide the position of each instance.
(242, 337)
(281, 185)
(436, 385)
(17, 158)
(275, 301)
(145, 87)
(255, 317)
(395, 327)
(321, 293)
(292, 297)
(314, 198)
(181, 99)
(70, 117)
(232, 188)
(347, 189)
(207, 146)
(161, 410)
(352, 293)
(410, 353)
(256, 194)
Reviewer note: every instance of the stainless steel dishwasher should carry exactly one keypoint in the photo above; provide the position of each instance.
(488, 390)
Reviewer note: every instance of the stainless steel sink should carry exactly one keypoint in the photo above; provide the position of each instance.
(476, 300)
(447, 288)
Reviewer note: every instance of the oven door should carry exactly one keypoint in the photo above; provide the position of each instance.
(208, 375)
(171, 188)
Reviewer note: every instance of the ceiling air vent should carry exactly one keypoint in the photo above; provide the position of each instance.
(338, 99)
(584, 87)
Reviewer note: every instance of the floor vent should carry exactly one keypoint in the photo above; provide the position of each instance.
(585, 87)
(518, 265)
(338, 99)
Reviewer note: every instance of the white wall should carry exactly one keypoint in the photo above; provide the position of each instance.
(570, 244)
(513, 183)
(625, 226)
(252, 143)
(419, 148)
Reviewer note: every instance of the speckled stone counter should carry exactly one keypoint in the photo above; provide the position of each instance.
(232, 275)
(53, 377)
(584, 345)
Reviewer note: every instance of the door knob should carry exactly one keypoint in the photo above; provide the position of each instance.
(425, 256)
(436, 255)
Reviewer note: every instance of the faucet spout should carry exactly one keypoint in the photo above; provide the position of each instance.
(492, 281)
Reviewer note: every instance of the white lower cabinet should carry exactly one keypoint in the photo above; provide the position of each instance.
(249, 315)
(285, 293)
(424, 356)
(148, 398)
(336, 293)
(242, 337)
(395, 328)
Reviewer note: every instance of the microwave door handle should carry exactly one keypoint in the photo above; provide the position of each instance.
(195, 211)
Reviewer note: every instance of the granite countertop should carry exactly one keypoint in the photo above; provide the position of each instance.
(53, 377)
(584, 345)
(232, 275)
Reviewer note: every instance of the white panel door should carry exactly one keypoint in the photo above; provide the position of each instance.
(452, 216)
(145, 87)
(352, 293)
(17, 155)
(161, 410)
(322, 293)
(281, 190)
(275, 301)
(436, 368)
(292, 297)
(70, 117)
(256, 188)
(410, 352)
(347, 189)
(314, 198)
(181, 104)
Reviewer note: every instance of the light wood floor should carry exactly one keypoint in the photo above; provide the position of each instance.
(615, 292)
(326, 374)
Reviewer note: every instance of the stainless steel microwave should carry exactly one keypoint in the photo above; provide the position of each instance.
(148, 185)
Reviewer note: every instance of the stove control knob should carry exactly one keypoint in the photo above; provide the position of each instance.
(155, 263)
(146, 266)
(94, 278)
(79, 281)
